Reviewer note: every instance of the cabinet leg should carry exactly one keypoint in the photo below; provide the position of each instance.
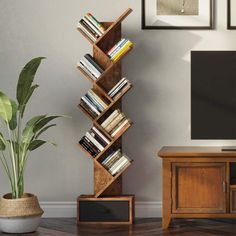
(166, 222)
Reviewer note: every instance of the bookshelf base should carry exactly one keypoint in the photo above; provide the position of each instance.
(105, 210)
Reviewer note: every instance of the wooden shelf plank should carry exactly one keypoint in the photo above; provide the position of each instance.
(113, 141)
(112, 180)
(114, 24)
(112, 65)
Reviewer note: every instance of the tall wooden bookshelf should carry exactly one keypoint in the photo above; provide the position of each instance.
(107, 187)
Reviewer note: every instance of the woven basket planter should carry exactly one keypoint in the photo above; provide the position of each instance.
(19, 215)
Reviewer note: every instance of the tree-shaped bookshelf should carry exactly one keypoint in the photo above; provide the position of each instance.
(107, 187)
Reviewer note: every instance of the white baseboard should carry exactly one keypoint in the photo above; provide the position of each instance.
(68, 209)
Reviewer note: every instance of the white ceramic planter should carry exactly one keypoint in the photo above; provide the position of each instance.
(19, 225)
(21, 215)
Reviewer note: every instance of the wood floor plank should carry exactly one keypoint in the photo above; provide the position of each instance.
(142, 227)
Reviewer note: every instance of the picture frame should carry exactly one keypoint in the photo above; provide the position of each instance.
(231, 18)
(179, 15)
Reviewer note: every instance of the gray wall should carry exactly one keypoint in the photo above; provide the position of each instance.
(159, 104)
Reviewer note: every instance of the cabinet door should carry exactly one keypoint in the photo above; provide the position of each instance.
(198, 188)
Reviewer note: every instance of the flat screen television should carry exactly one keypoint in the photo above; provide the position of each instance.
(213, 95)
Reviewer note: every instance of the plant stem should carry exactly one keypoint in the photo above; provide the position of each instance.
(14, 164)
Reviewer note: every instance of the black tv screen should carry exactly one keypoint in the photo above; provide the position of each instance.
(213, 94)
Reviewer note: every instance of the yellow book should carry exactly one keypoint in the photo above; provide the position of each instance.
(122, 51)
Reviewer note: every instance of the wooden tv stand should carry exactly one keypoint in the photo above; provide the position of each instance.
(198, 182)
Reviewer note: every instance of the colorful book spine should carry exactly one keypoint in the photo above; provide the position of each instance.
(96, 22)
(90, 105)
(92, 26)
(116, 46)
(86, 32)
(123, 50)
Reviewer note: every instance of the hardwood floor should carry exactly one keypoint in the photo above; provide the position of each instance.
(142, 227)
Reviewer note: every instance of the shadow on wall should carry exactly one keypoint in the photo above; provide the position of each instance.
(159, 73)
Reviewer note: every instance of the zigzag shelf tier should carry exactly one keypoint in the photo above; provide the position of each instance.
(105, 184)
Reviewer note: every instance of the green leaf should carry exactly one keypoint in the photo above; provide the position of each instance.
(13, 121)
(36, 144)
(28, 132)
(22, 107)
(5, 107)
(26, 78)
(43, 130)
(2, 142)
(40, 124)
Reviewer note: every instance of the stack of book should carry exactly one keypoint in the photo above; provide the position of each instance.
(94, 141)
(115, 162)
(90, 67)
(93, 104)
(119, 49)
(116, 123)
(91, 27)
(117, 90)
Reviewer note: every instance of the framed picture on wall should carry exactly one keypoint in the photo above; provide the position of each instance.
(231, 22)
(177, 14)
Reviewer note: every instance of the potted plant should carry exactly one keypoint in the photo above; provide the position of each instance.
(20, 212)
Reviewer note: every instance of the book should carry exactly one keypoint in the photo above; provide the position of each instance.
(92, 26)
(94, 102)
(88, 109)
(90, 144)
(98, 30)
(117, 163)
(94, 141)
(98, 99)
(96, 22)
(116, 46)
(87, 147)
(119, 168)
(112, 161)
(86, 26)
(90, 105)
(86, 32)
(110, 157)
(84, 68)
(117, 85)
(119, 93)
(90, 67)
(100, 135)
(115, 122)
(100, 140)
(91, 60)
(121, 86)
(123, 124)
(122, 51)
(110, 118)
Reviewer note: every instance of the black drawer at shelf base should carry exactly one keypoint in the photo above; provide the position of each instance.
(114, 210)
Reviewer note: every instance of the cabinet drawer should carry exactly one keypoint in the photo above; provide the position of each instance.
(233, 199)
(104, 211)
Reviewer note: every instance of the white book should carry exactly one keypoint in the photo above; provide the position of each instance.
(117, 163)
(86, 32)
(94, 141)
(86, 71)
(119, 128)
(120, 167)
(101, 135)
(97, 98)
(92, 26)
(119, 88)
(90, 105)
(90, 67)
(110, 157)
(110, 118)
(117, 85)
